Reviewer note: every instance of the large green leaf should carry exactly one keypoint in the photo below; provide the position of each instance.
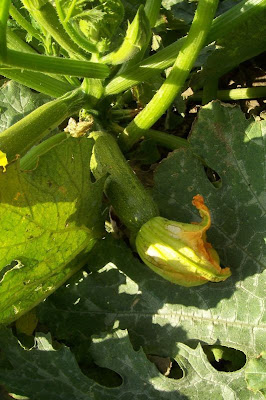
(256, 374)
(121, 290)
(47, 217)
(59, 376)
(16, 101)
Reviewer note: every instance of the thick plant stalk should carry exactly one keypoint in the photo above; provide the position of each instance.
(132, 203)
(30, 159)
(235, 94)
(54, 86)
(166, 140)
(166, 57)
(36, 80)
(4, 12)
(56, 65)
(152, 8)
(136, 38)
(20, 137)
(168, 91)
(16, 43)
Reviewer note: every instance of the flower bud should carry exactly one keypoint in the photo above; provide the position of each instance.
(179, 252)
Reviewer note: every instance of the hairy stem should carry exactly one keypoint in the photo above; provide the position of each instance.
(168, 91)
(56, 65)
(170, 142)
(235, 94)
(20, 137)
(36, 80)
(30, 159)
(4, 12)
(166, 57)
(152, 8)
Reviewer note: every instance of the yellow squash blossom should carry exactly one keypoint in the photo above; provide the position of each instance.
(179, 252)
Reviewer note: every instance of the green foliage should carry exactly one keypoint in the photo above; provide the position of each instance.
(234, 48)
(16, 101)
(98, 20)
(49, 214)
(140, 378)
(111, 328)
(181, 12)
(157, 313)
(255, 374)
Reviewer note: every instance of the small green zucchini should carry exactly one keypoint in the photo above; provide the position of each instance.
(131, 201)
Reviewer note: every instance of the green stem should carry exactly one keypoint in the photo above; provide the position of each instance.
(45, 14)
(124, 114)
(30, 159)
(166, 140)
(24, 134)
(176, 79)
(235, 94)
(170, 142)
(15, 14)
(131, 202)
(36, 80)
(166, 57)
(152, 8)
(80, 40)
(56, 65)
(16, 43)
(4, 13)
(135, 41)
(70, 10)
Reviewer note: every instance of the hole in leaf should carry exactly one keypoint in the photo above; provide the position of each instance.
(15, 264)
(225, 358)
(213, 177)
(167, 366)
(103, 376)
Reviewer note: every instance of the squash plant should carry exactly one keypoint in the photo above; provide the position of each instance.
(59, 177)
